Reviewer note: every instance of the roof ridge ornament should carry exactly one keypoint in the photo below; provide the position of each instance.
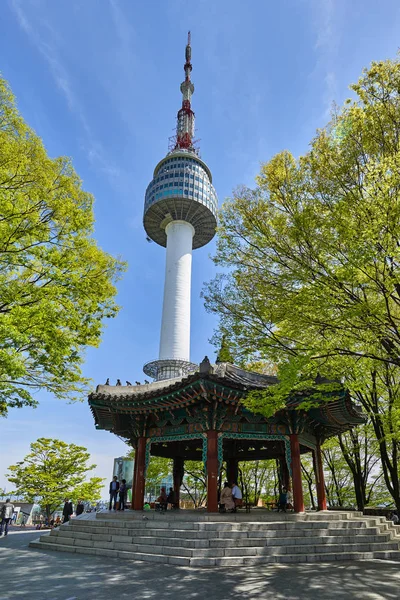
(206, 367)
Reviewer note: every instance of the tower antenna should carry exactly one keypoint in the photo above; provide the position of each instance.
(185, 117)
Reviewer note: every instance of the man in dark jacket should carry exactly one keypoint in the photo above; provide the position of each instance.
(114, 487)
(67, 510)
(6, 514)
(80, 507)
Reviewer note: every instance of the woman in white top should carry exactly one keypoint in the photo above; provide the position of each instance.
(236, 495)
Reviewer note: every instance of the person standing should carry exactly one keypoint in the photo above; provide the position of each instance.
(171, 498)
(6, 514)
(122, 495)
(67, 510)
(80, 507)
(283, 500)
(114, 487)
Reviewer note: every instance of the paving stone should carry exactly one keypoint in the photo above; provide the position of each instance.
(229, 562)
(202, 562)
(105, 537)
(104, 545)
(86, 543)
(240, 551)
(124, 539)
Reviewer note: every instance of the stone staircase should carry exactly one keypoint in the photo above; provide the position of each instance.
(202, 540)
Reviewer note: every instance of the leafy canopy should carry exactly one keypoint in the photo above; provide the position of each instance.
(313, 252)
(56, 284)
(53, 471)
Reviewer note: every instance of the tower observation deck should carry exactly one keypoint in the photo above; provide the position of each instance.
(180, 214)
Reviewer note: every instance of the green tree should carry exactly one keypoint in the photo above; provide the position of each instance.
(224, 354)
(158, 470)
(313, 255)
(307, 469)
(377, 388)
(338, 478)
(314, 249)
(194, 482)
(256, 477)
(56, 284)
(52, 471)
(360, 450)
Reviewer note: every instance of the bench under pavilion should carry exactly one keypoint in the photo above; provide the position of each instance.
(201, 417)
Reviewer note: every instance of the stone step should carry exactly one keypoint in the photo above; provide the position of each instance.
(200, 516)
(226, 541)
(252, 540)
(301, 541)
(324, 548)
(348, 531)
(293, 558)
(83, 531)
(159, 558)
(185, 524)
(226, 561)
(130, 545)
(98, 526)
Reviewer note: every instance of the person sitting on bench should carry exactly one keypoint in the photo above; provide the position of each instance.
(237, 495)
(162, 499)
(226, 499)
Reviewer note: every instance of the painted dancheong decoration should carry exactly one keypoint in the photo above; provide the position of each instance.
(179, 214)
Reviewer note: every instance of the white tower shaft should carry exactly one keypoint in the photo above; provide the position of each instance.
(175, 327)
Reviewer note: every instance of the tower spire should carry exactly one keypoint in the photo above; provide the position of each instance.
(185, 116)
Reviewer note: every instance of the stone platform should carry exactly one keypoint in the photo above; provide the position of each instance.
(201, 539)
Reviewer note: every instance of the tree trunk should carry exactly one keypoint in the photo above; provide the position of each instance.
(309, 480)
(354, 463)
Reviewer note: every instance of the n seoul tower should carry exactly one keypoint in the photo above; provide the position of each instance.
(180, 214)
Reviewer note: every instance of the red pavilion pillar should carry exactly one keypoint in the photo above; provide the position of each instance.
(319, 478)
(212, 471)
(139, 483)
(134, 476)
(298, 500)
(178, 473)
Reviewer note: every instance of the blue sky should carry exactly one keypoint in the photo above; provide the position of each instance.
(99, 81)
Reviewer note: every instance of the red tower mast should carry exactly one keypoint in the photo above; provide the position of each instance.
(185, 117)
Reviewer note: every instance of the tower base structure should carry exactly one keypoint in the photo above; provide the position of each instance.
(169, 368)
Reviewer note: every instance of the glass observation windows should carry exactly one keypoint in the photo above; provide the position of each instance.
(181, 176)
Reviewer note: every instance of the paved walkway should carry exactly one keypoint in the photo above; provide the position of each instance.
(30, 574)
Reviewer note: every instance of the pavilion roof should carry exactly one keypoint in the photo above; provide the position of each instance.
(224, 382)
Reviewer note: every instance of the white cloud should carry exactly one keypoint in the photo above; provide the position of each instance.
(43, 36)
(326, 14)
(325, 32)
